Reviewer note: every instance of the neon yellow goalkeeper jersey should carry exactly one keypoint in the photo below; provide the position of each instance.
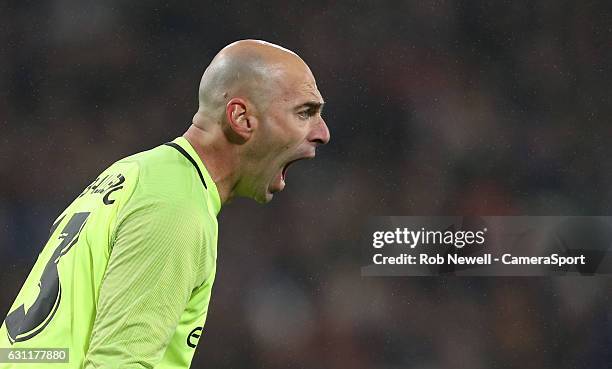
(124, 280)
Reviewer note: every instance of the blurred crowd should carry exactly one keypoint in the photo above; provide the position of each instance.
(434, 108)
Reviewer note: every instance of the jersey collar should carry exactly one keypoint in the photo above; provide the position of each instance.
(211, 186)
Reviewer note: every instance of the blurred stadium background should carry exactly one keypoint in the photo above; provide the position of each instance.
(435, 108)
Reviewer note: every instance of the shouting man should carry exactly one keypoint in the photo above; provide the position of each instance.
(125, 278)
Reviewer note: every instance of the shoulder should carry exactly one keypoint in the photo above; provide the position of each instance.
(165, 172)
(163, 184)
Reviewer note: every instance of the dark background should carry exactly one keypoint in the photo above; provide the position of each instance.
(435, 108)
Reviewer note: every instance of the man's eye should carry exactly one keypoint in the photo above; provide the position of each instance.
(305, 114)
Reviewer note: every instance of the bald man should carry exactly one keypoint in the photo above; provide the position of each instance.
(126, 276)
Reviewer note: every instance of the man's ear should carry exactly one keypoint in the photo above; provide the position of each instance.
(240, 117)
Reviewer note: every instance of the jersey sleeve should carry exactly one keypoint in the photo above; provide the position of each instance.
(153, 268)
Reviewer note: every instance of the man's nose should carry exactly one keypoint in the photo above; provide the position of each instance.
(320, 133)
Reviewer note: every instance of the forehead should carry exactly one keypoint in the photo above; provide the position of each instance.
(298, 84)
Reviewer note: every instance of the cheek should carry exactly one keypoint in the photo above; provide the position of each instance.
(280, 134)
(281, 137)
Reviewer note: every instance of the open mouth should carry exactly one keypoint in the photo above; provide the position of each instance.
(284, 172)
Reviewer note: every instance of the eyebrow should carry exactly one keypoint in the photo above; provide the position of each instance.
(315, 105)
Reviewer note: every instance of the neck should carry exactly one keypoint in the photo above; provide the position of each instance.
(215, 153)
